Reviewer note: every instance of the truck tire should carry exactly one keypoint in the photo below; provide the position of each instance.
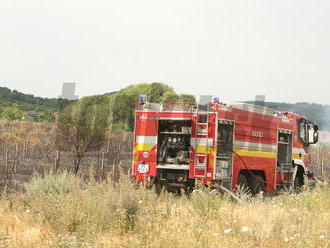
(298, 183)
(299, 179)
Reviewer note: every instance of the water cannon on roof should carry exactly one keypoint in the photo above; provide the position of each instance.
(142, 99)
(215, 99)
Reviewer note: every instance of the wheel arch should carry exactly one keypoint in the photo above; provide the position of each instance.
(300, 172)
(301, 165)
(253, 172)
(255, 179)
(247, 174)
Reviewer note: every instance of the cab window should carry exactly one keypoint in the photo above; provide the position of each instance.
(302, 130)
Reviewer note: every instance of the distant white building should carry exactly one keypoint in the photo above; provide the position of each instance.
(68, 91)
(260, 100)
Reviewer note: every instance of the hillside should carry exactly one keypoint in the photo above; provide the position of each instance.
(13, 101)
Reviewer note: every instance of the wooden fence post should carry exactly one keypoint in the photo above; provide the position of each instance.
(6, 160)
(57, 160)
(102, 161)
(16, 159)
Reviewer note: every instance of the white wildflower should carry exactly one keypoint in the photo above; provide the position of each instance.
(322, 237)
(140, 201)
(245, 229)
(227, 230)
(286, 240)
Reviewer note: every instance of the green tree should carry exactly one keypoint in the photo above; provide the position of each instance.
(83, 127)
(122, 103)
(157, 91)
(170, 97)
(186, 98)
(11, 113)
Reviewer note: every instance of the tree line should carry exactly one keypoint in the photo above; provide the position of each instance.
(15, 105)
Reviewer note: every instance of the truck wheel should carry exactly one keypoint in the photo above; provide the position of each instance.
(256, 184)
(159, 188)
(299, 179)
(298, 182)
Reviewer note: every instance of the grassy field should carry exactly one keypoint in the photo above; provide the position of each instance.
(63, 211)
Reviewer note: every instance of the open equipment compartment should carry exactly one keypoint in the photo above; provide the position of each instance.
(174, 142)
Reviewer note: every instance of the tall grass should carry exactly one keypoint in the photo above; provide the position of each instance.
(59, 210)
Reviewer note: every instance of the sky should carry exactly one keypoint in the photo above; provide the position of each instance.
(232, 49)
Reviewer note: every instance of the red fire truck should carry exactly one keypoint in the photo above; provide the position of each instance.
(216, 144)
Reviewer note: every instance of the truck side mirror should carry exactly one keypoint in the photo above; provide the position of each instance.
(316, 137)
(313, 134)
(310, 133)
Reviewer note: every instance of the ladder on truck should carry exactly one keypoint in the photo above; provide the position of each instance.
(202, 130)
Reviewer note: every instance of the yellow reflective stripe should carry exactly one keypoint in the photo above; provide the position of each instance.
(143, 147)
(296, 156)
(251, 153)
(205, 149)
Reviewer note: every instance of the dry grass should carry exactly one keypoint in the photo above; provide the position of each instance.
(61, 211)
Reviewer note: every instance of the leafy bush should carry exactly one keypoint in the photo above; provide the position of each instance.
(52, 184)
(62, 202)
(11, 113)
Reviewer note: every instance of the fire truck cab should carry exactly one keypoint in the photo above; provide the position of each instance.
(177, 145)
